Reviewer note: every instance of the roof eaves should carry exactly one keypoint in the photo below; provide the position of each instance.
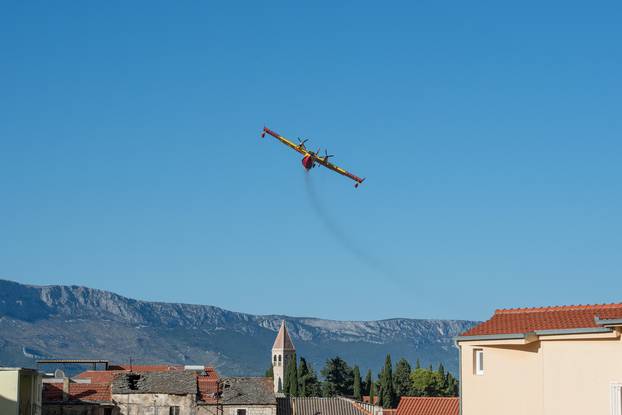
(550, 332)
(608, 322)
(585, 330)
(514, 336)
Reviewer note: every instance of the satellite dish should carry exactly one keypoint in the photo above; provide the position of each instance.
(59, 374)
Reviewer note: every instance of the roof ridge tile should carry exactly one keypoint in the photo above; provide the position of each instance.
(576, 307)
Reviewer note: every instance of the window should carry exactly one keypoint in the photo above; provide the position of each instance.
(279, 360)
(479, 361)
(107, 411)
(241, 412)
(173, 410)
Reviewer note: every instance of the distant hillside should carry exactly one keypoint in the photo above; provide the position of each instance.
(80, 322)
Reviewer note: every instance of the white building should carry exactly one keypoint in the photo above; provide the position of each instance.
(20, 391)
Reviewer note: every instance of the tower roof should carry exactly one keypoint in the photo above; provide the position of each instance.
(283, 341)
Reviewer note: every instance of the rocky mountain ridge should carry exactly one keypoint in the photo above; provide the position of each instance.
(80, 322)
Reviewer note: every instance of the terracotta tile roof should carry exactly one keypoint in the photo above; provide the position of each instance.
(428, 406)
(526, 320)
(283, 341)
(389, 411)
(98, 376)
(207, 389)
(95, 392)
(146, 368)
(89, 392)
(52, 392)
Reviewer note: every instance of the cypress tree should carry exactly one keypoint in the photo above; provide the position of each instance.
(380, 386)
(357, 384)
(303, 374)
(372, 393)
(442, 377)
(368, 383)
(386, 385)
(418, 365)
(293, 377)
(285, 387)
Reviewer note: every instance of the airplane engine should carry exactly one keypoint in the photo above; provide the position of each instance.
(307, 162)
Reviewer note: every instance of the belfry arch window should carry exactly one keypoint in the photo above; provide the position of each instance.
(279, 360)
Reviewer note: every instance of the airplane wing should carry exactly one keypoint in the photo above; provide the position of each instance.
(299, 148)
(324, 162)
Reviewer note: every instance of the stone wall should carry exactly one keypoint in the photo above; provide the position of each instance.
(76, 409)
(233, 409)
(154, 404)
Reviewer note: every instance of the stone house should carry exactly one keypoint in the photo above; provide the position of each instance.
(140, 390)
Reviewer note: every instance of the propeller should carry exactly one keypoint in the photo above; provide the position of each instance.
(302, 142)
(326, 155)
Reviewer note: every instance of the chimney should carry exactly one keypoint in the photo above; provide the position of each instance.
(65, 388)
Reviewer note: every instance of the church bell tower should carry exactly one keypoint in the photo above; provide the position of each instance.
(283, 353)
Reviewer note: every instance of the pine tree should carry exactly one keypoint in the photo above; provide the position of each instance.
(386, 385)
(418, 364)
(356, 388)
(308, 384)
(401, 378)
(338, 378)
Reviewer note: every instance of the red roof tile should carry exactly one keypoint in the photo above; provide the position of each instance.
(146, 368)
(428, 406)
(98, 376)
(526, 320)
(100, 392)
(52, 392)
(207, 388)
(89, 392)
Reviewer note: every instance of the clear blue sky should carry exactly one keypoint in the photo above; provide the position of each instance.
(490, 136)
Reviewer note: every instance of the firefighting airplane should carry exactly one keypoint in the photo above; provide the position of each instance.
(311, 158)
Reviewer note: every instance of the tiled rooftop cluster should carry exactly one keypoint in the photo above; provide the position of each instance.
(98, 385)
